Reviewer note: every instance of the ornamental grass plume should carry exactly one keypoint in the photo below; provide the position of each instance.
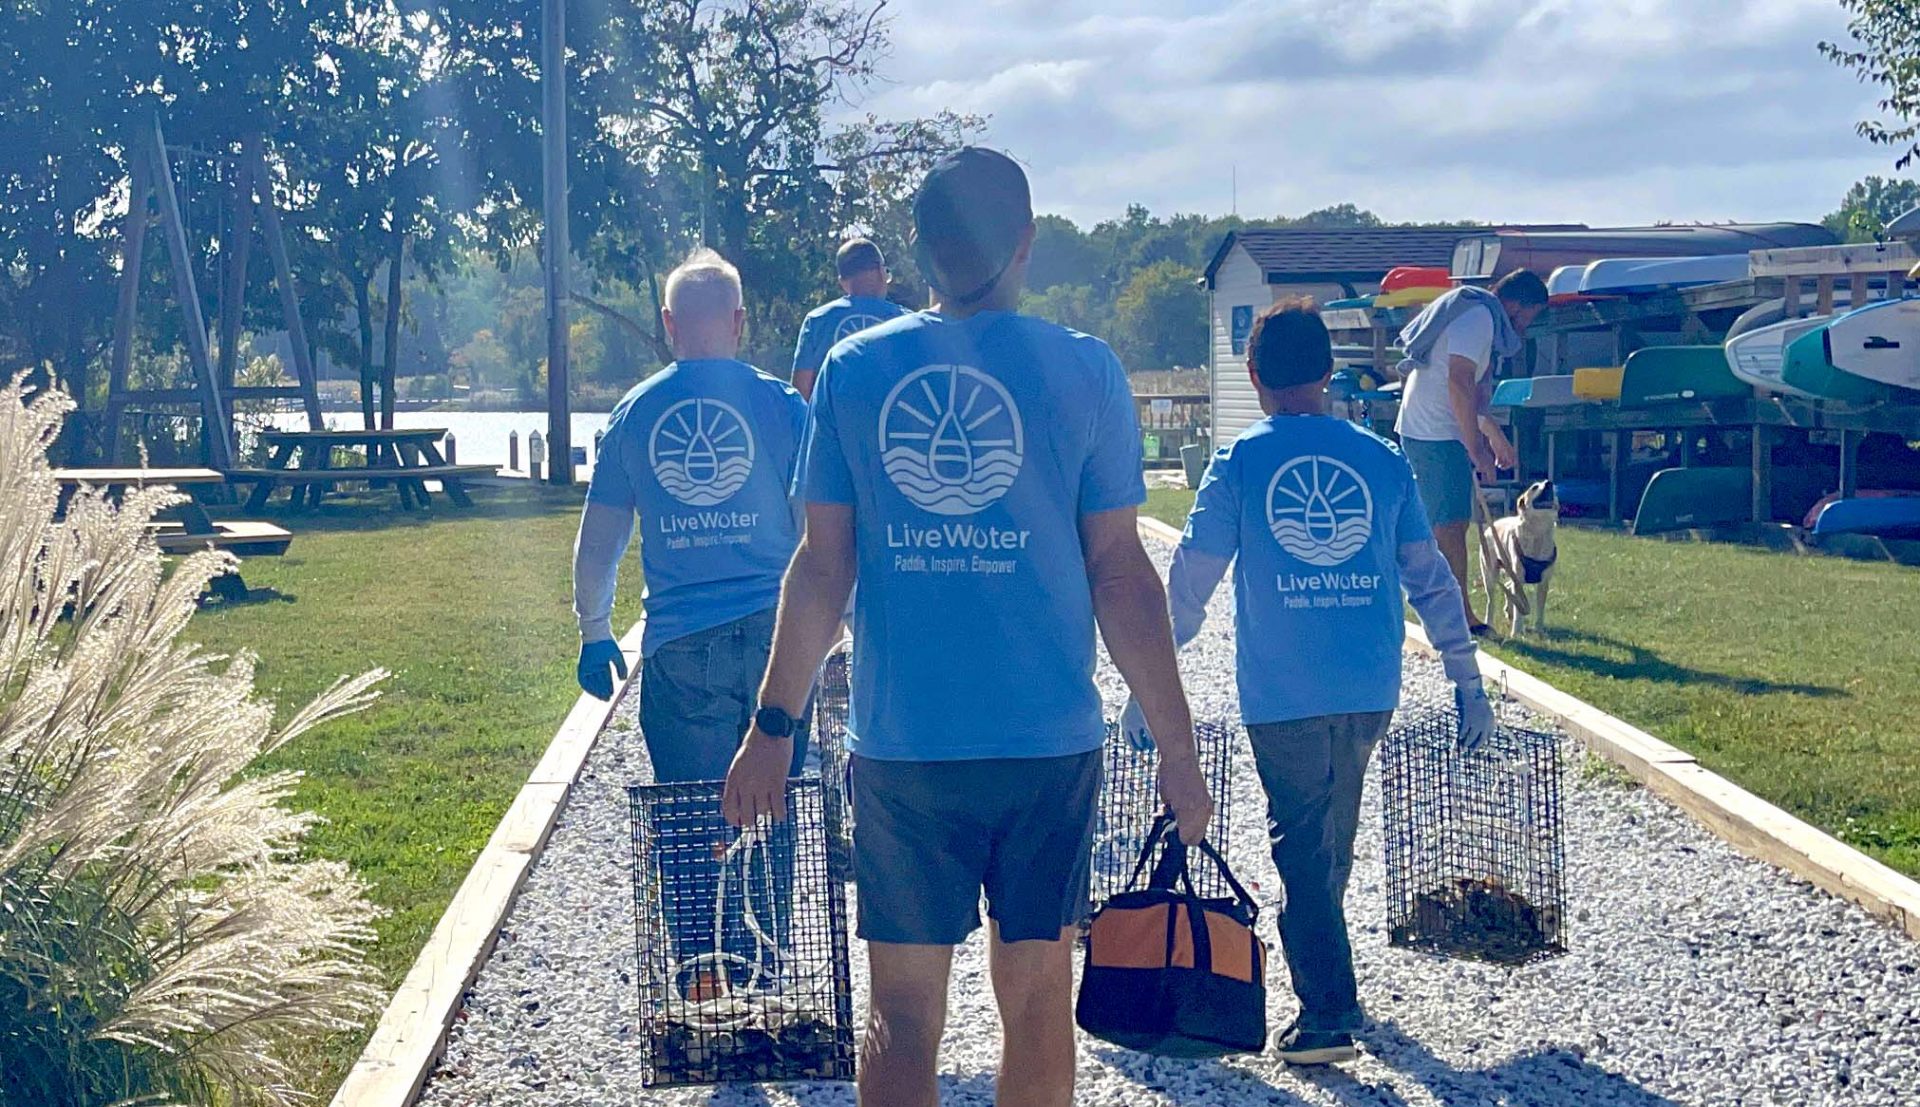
(161, 939)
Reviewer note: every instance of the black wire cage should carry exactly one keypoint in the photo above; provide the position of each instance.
(742, 939)
(1475, 852)
(831, 703)
(1130, 800)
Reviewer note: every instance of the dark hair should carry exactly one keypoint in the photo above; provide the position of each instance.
(858, 255)
(1289, 345)
(1523, 287)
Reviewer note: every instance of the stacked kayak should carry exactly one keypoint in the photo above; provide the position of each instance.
(1879, 342)
(1626, 276)
(1883, 516)
(1598, 384)
(1411, 285)
(1536, 392)
(1759, 357)
(1673, 374)
(1684, 499)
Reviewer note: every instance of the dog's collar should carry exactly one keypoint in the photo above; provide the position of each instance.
(1533, 568)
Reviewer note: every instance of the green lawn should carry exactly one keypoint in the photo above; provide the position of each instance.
(471, 610)
(1794, 676)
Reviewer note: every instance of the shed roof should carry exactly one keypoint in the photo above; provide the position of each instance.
(1289, 255)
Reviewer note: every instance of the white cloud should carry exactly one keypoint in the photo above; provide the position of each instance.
(1600, 111)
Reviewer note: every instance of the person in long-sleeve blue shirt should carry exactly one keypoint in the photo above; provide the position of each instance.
(1325, 530)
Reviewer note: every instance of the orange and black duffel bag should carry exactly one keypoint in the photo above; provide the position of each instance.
(1170, 973)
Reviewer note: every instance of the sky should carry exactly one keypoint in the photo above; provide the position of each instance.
(1605, 112)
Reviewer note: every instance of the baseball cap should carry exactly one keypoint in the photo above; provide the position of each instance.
(967, 220)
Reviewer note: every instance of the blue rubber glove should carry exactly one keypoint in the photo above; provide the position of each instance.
(1133, 726)
(596, 658)
(1476, 714)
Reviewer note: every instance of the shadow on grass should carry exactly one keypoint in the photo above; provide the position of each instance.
(1642, 663)
(1550, 1075)
(376, 510)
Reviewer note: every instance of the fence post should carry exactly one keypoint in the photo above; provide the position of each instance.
(598, 436)
(513, 451)
(452, 448)
(536, 455)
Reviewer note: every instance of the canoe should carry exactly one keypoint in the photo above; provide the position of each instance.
(1619, 276)
(1758, 357)
(1683, 499)
(1536, 392)
(1348, 303)
(1673, 374)
(1597, 384)
(1808, 367)
(1885, 516)
(1416, 276)
(1565, 281)
(1878, 341)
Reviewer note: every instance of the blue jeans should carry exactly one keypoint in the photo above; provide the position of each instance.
(1313, 771)
(697, 698)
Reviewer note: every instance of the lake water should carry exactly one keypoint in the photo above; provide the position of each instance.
(480, 436)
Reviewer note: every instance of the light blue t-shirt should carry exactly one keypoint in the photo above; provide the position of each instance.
(1314, 511)
(831, 322)
(705, 452)
(969, 450)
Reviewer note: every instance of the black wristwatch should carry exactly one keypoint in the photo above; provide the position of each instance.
(774, 722)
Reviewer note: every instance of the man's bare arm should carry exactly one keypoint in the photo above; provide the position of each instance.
(1463, 395)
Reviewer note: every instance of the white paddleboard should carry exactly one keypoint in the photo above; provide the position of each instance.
(1758, 355)
(1880, 342)
(1565, 281)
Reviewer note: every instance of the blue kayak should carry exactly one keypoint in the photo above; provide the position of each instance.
(1885, 516)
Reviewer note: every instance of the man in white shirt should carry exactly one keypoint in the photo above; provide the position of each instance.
(1444, 427)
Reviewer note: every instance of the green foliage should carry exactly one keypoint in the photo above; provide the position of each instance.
(1160, 321)
(1870, 205)
(1885, 50)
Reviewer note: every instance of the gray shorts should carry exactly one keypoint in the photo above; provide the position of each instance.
(1443, 473)
(929, 836)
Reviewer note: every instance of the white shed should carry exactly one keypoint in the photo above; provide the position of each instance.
(1253, 268)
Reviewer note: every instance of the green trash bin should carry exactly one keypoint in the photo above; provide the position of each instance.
(1151, 447)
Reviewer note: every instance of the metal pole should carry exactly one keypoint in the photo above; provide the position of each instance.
(553, 95)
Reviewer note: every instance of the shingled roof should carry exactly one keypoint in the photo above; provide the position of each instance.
(1302, 255)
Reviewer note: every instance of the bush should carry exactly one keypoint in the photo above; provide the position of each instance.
(161, 940)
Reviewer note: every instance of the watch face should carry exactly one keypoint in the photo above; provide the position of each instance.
(774, 722)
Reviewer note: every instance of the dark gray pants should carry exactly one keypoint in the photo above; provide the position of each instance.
(1313, 771)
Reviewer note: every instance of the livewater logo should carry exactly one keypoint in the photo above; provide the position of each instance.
(951, 439)
(1319, 510)
(701, 451)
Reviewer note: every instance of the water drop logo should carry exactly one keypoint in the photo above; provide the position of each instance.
(701, 451)
(1319, 510)
(854, 324)
(951, 439)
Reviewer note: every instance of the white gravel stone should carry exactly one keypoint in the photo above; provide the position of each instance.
(1696, 976)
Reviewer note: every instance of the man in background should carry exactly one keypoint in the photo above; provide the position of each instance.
(1444, 425)
(1321, 523)
(703, 453)
(863, 282)
(979, 471)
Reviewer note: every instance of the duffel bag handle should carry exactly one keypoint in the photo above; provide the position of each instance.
(1240, 893)
(1160, 824)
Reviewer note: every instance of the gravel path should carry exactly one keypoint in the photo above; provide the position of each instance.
(1697, 976)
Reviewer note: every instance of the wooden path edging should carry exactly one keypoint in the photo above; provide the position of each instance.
(410, 1035)
(1749, 823)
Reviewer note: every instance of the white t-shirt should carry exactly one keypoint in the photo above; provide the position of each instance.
(1426, 410)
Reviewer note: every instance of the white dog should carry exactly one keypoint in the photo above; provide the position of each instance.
(1527, 552)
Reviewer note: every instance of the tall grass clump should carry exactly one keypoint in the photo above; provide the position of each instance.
(161, 939)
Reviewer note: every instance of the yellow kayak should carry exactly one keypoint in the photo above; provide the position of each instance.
(1598, 384)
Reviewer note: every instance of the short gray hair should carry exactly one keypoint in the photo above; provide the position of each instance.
(704, 285)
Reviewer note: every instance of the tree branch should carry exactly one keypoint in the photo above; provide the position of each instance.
(654, 340)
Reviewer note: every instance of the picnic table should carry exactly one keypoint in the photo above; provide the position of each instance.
(305, 463)
(188, 527)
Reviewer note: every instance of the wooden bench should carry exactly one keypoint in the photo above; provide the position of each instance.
(408, 477)
(243, 537)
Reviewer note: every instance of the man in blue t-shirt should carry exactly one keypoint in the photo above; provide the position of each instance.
(1325, 531)
(704, 453)
(863, 280)
(979, 471)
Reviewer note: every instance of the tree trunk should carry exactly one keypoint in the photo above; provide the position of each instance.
(363, 313)
(389, 372)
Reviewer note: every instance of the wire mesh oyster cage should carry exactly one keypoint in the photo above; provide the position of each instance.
(1475, 851)
(831, 703)
(742, 941)
(1130, 800)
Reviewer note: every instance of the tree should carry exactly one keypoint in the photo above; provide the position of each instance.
(1071, 305)
(1870, 205)
(1160, 320)
(1885, 50)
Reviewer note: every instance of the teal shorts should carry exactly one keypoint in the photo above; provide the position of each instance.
(1443, 473)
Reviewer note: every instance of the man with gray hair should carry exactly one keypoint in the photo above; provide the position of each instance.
(703, 453)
